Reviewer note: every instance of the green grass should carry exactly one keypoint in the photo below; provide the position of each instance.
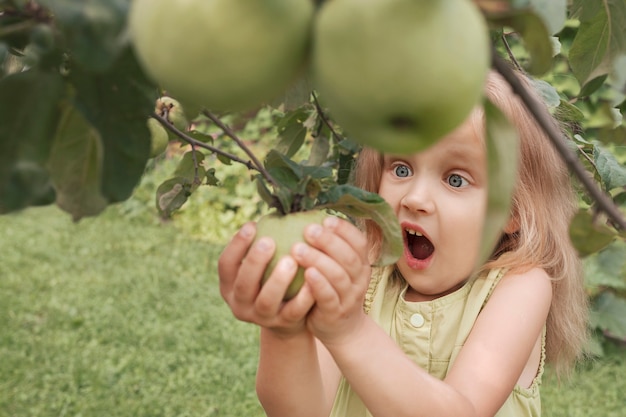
(112, 318)
(116, 316)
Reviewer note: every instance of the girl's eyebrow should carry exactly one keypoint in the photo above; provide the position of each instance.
(466, 152)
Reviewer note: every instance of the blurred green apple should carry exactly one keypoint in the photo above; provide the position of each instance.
(222, 54)
(398, 75)
(158, 138)
(287, 231)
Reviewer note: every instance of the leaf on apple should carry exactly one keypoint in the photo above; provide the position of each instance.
(355, 202)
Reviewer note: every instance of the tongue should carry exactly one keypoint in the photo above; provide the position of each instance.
(421, 248)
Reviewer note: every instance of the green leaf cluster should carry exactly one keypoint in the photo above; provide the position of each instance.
(73, 106)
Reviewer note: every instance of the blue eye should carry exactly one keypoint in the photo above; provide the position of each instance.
(402, 171)
(457, 181)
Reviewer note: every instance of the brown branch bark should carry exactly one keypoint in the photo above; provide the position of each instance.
(199, 144)
(544, 119)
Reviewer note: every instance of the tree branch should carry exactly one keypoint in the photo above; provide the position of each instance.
(229, 132)
(544, 119)
(199, 144)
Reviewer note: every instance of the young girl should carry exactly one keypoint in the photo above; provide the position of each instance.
(429, 336)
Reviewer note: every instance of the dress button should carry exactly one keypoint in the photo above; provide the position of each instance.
(417, 320)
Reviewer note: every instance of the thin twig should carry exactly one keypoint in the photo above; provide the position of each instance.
(194, 158)
(544, 119)
(186, 138)
(231, 134)
(322, 115)
(510, 53)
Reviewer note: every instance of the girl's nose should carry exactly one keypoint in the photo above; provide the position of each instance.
(419, 198)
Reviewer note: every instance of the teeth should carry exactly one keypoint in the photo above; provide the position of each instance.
(413, 232)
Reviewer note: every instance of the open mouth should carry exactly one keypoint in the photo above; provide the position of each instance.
(418, 245)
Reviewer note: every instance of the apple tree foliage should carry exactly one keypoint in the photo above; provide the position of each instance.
(75, 105)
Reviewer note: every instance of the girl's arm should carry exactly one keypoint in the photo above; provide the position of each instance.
(296, 376)
(290, 379)
(389, 383)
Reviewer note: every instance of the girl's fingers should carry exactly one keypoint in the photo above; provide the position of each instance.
(349, 233)
(297, 308)
(248, 282)
(269, 299)
(332, 251)
(318, 262)
(324, 293)
(231, 257)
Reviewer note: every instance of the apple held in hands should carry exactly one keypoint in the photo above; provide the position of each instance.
(398, 75)
(222, 54)
(286, 231)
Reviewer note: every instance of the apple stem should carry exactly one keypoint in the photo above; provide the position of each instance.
(544, 119)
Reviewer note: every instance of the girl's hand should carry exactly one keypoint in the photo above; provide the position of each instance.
(337, 274)
(241, 266)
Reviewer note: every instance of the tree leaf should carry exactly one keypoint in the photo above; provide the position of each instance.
(291, 132)
(502, 143)
(75, 166)
(533, 31)
(553, 13)
(190, 167)
(612, 173)
(94, 29)
(609, 314)
(277, 161)
(28, 117)
(118, 103)
(171, 195)
(356, 202)
(587, 236)
(297, 95)
(600, 38)
(319, 150)
(607, 268)
(569, 113)
(547, 92)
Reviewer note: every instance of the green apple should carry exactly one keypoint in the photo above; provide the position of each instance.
(287, 231)
(170, 107)
(158, 138)
(397, 75)
(222, 54)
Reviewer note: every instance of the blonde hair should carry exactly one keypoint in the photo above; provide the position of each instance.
(543, 205)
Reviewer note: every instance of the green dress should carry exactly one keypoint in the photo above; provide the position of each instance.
(432, 333)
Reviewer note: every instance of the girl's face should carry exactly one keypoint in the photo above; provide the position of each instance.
(440, 198)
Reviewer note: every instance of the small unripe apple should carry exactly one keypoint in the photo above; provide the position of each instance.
(286, 231)
(158, 138)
